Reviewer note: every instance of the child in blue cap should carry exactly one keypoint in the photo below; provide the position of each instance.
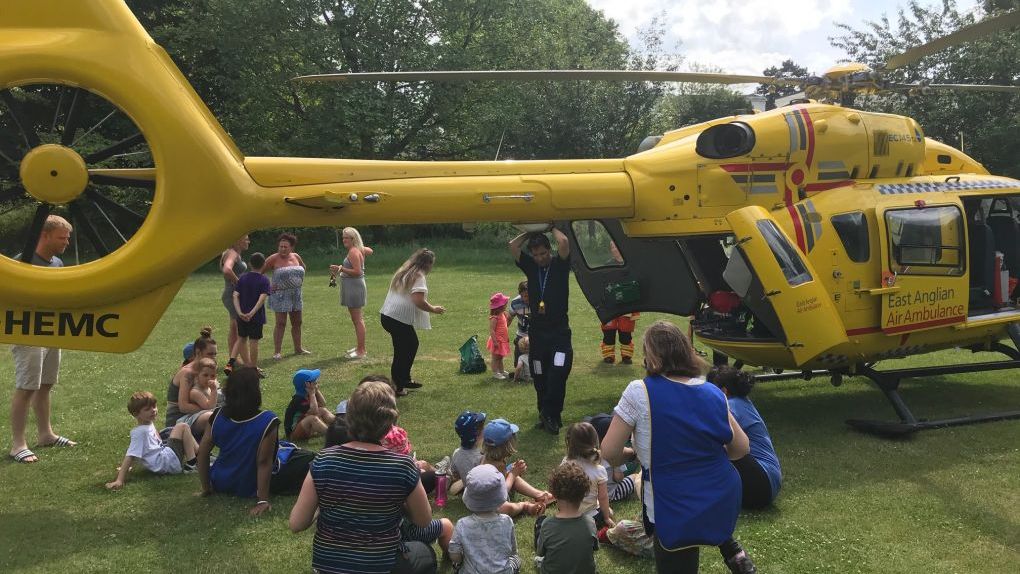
(306, 415)
(469, 426)
(498, 446)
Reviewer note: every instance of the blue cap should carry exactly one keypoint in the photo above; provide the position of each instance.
(304, 376)
(466, 426)
(498, 432)
(189, 351)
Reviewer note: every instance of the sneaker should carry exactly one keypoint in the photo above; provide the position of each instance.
(499, 376)
(609, 360)
(627, 361)
(277, 357)
(443, 466)
(740, 563)
(262, 374)
(551, 426)
(303, 352)
(189, 468)
(412, 385)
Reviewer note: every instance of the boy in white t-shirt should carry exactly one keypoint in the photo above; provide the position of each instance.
(175, 456)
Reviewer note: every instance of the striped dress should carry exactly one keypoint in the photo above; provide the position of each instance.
(361, 494)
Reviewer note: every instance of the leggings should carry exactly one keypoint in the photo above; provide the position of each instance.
(757, 490)
(405, 348)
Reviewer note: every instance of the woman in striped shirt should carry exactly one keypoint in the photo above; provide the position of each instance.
(359, 489)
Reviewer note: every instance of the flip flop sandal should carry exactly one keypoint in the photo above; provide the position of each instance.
(60, 442)
(23, 455)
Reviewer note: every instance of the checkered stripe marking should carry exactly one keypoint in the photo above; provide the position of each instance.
(934, 186)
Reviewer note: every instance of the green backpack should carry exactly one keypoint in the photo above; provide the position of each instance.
(471, 360)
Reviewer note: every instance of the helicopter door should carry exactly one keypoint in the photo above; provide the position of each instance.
(792, 292)
(619, 274)
(924, 279)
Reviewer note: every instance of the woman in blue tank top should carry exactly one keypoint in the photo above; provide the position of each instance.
(684, 438)
(251, 461)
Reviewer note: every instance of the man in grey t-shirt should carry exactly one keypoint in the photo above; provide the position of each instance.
(36, 369)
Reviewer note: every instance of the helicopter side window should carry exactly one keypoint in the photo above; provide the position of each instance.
(596, 244)
(786, 255)
(927, 241)
(852, 229)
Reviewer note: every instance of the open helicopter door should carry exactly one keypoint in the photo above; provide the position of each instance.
(790, 290)
(645, 274)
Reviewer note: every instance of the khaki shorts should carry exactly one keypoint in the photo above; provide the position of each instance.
(35, 367)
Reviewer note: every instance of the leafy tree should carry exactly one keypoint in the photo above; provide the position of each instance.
(788, 69)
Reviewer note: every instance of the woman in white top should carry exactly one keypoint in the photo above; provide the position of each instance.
(404, 310)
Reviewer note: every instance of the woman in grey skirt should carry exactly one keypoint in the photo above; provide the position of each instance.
(353, 293)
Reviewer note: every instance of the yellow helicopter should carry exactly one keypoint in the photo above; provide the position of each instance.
(812, 237)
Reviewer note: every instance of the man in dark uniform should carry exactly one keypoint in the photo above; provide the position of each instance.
(552, 354)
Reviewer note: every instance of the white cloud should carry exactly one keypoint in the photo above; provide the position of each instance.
(747, 36)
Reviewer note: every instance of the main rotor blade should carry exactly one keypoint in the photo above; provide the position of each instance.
(977, 30)
(974, 87)
(556, 75)
(954, 87)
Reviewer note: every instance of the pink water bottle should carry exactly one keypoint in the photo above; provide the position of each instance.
(441, 485)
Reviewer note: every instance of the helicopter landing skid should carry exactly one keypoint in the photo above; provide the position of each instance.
(888, 382)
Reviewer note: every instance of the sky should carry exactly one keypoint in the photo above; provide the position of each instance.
(747, 36)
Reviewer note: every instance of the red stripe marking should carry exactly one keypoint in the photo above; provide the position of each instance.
(863, 331)
(798, 226)
(827, 185)
(926, 324)
(810, 135)
(748, 167)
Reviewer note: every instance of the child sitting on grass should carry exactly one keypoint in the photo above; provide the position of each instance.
(500, 443)
(469, 426)
(306, 415)
(566, 542)
(622, 480)
(173, 457)
(583, 449)
(484, 542)
(522, 373)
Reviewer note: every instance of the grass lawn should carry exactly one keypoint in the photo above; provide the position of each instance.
(943, 501)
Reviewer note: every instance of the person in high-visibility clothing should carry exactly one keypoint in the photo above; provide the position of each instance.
(624, 325)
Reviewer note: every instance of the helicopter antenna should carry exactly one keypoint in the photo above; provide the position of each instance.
(500, 146)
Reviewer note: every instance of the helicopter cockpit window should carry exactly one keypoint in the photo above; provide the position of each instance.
(852, 229)
(926, 241)
(596, 245)
(786, 255)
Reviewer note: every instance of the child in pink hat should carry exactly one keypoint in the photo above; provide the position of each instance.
(499, 336)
